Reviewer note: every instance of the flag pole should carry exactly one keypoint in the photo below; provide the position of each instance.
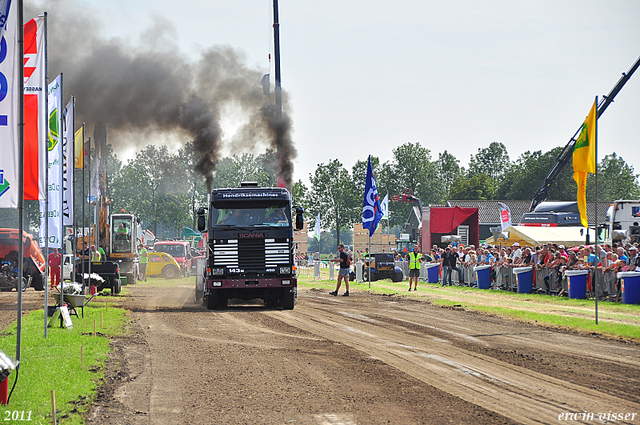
(83, 216)
(61, 202)
(45, 140)
(595, 270)
(19, 56)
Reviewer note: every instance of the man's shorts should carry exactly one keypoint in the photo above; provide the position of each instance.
(344, 272)
(414, 273)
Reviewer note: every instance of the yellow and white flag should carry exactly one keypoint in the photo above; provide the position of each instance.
(584, 159)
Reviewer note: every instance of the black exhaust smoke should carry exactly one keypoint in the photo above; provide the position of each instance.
(150, 92)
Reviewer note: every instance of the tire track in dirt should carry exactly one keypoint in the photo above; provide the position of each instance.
(515, 392)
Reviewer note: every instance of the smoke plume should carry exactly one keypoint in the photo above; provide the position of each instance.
(150, 91)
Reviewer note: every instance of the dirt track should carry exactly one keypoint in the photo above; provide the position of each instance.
(366, 359)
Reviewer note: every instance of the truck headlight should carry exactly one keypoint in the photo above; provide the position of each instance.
(216, 283)
(285, 270)
(217, 272)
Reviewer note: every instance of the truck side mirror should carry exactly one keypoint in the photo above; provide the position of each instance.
(201, 220)
(299, 218)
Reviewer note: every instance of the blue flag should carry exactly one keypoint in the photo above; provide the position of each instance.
(371, 209)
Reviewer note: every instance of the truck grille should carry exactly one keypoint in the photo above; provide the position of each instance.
(251, 254)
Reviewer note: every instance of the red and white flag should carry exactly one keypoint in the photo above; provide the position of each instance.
(35, 110)
(10, 62)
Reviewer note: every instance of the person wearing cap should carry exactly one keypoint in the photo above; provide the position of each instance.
(563, 252)
(633, 258)
(516, 253)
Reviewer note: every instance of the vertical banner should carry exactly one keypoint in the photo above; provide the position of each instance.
(505, 216)
(95, 182)
(10, 61)
(79, 149)
(68, 156)
(55, 169)
(35, 110)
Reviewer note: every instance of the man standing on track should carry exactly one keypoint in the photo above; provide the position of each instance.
(345, 268)
(414, 267)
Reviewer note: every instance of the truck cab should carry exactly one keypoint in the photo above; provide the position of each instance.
(250, 246)
(622, 222)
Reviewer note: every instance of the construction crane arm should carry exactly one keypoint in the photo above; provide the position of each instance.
(566, 154)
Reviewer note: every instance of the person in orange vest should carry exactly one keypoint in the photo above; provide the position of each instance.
(55, 259)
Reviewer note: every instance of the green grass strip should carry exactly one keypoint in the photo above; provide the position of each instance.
(54, 363)
(535, 308)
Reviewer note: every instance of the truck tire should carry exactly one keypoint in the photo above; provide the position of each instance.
(289, 300)
(130, 279)
(216, 301)
(170, 272)
(397, 277)
(115, 286)
(36, 282)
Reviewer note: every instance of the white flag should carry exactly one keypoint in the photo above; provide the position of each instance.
(385, 206)
(55, 169)
(68, 164)
(10, 110)
(95, 181)
(316, 233)
(505, 216)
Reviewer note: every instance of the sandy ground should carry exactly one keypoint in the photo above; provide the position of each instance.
(365, 359)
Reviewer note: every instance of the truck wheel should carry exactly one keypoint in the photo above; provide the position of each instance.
(289, 300)
(36, 282)
(216, 301)
(115, 286)
(365, 275)
(397, 277)
(170, 272)
(130, 279)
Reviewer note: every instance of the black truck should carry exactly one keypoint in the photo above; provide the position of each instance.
(249, 246)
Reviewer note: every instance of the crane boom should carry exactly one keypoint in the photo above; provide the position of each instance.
(566, 154)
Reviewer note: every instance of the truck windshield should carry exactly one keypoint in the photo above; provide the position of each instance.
(121, 235)
(267, 215)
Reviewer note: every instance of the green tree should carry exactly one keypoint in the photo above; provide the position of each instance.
(477, 187)
(333, 195)
(616, 180)
(447, 171)
(492, 161)
(529, 171)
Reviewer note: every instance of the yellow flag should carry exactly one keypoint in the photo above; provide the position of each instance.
(584, 159)
(79, 148)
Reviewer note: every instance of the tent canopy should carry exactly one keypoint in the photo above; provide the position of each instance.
(536, 236)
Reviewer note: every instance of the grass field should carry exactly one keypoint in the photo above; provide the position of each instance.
(614, 319)
(55, 363)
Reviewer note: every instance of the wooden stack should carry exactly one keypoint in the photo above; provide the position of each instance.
(379, 242)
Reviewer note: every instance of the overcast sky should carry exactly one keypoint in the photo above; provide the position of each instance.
(365, 77)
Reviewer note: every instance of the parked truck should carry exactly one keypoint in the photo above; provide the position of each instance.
(33, 261)
(250, 248)
(622, 222)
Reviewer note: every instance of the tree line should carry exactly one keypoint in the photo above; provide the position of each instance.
(165, 191)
